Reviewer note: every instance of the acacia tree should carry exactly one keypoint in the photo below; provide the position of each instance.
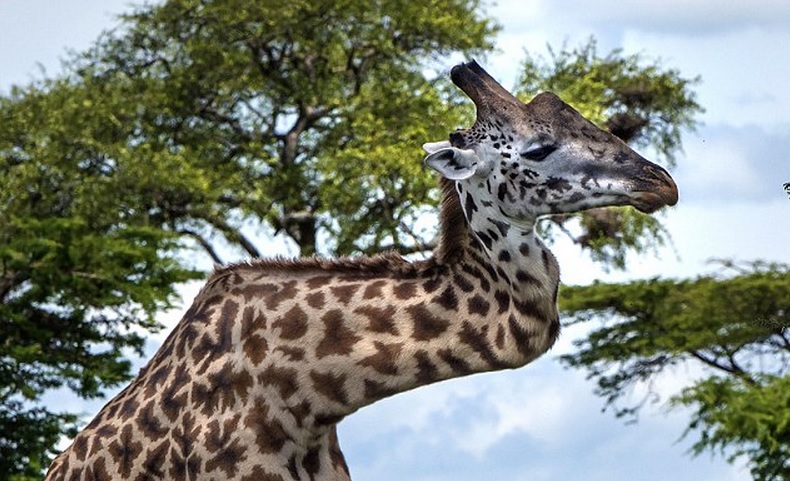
(737, 328)
(280, 98)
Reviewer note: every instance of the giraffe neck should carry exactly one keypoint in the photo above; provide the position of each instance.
(486, 301)
(521, 259)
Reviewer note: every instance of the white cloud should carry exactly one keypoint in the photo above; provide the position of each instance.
(743, 71)
(665, 16)
(541, 409)
(729, 165)
(720, 169)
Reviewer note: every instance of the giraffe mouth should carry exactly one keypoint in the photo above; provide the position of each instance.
(651, 201)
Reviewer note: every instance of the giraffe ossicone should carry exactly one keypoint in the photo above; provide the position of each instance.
(272, 354)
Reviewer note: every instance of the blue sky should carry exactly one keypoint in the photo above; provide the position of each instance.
(542, 421)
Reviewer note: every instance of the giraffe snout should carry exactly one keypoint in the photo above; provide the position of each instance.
(655, 189)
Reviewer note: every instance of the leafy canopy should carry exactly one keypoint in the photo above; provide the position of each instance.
(81, 273)
(278, 99)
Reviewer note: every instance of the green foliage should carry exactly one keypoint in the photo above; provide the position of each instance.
(736, 327)
(81, 272)
(27, 448)
(638, 100)
(270, 98)
(751, 417)
(374, 175)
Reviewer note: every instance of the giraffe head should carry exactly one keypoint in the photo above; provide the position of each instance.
(543, 157)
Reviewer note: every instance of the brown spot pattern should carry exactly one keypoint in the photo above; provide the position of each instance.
(156, 380)
(312, 463)
(259, 474)
(405, 290)
(316, 300)
(270, 435)
(525, 278)
(318, 281)
(457, 364)
(155, 460)
(427, 326)
(253, 327)
(463, 283)
(148, 423)
(426, 370)
(125, 451)
(331, 386)
(478, 305)
(432, 284)
(478, 341)
(222, 389)
(520, 336)
(98, 471)
(344, 293)
(255, 291)
(500, 337)
(172, 402)
(377, 390)
(284, 379)
(384, 360)
(373, 291)
(225, 447)
(209, 349)
(447, 299)
(381, 318)
(292, 324)
(285, 291)
(503, 301)
(338, 339)
(293, 354)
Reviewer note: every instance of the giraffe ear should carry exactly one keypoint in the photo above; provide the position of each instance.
(432, 147)
(453, 163)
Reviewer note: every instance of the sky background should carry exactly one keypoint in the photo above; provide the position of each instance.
(543, 422)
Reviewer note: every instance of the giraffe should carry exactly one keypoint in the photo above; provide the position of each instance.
(273, 354)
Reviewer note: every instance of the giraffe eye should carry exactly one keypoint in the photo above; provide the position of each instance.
(539, 153)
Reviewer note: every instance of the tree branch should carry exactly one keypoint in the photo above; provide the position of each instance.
(204, 243)
(232, 234)
(733, 369)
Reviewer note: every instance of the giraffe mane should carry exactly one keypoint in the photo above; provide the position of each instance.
(386, 262)
(453, 231)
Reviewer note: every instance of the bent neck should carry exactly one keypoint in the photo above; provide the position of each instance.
(476, 306)
(516, 252)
